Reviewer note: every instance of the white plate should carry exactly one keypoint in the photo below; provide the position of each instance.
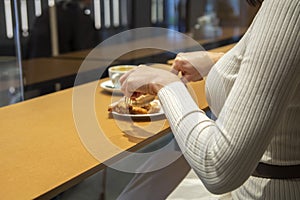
(160, 113)
(109, 86)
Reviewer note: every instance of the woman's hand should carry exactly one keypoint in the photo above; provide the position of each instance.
(195, 65)
(145, 79)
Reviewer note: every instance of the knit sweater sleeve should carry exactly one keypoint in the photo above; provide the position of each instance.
(225, 152)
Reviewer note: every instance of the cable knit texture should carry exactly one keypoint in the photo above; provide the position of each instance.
(254, 90)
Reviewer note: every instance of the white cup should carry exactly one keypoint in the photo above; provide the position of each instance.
(115, 73)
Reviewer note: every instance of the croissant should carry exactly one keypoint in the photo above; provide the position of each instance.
(140, 105)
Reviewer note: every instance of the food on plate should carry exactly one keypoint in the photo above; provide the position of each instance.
(140, 105)
(119, 107)
(142, 99)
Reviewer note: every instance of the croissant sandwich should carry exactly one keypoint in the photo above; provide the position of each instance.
(143, 104)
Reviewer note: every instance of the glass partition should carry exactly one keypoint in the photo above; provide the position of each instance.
(11, 79)
(55, 36)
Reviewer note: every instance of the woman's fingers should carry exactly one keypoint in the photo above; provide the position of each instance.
(146, 80)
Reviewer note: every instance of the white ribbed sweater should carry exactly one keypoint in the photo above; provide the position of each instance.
(254, 90)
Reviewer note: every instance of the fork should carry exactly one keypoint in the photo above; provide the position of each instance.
(128, 100)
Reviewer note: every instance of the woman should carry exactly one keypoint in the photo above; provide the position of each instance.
(253, 146)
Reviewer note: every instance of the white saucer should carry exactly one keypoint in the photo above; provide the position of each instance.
(109, 86)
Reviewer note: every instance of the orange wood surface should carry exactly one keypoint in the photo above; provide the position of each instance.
(42, 154)
(41, 151)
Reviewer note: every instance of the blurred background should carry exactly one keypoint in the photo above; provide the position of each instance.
(43, 42)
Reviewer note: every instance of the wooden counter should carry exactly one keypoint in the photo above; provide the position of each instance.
(41, 151)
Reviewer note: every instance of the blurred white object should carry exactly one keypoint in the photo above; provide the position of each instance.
(207, 26)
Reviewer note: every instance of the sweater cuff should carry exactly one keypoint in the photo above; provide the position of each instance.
(177, 102)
